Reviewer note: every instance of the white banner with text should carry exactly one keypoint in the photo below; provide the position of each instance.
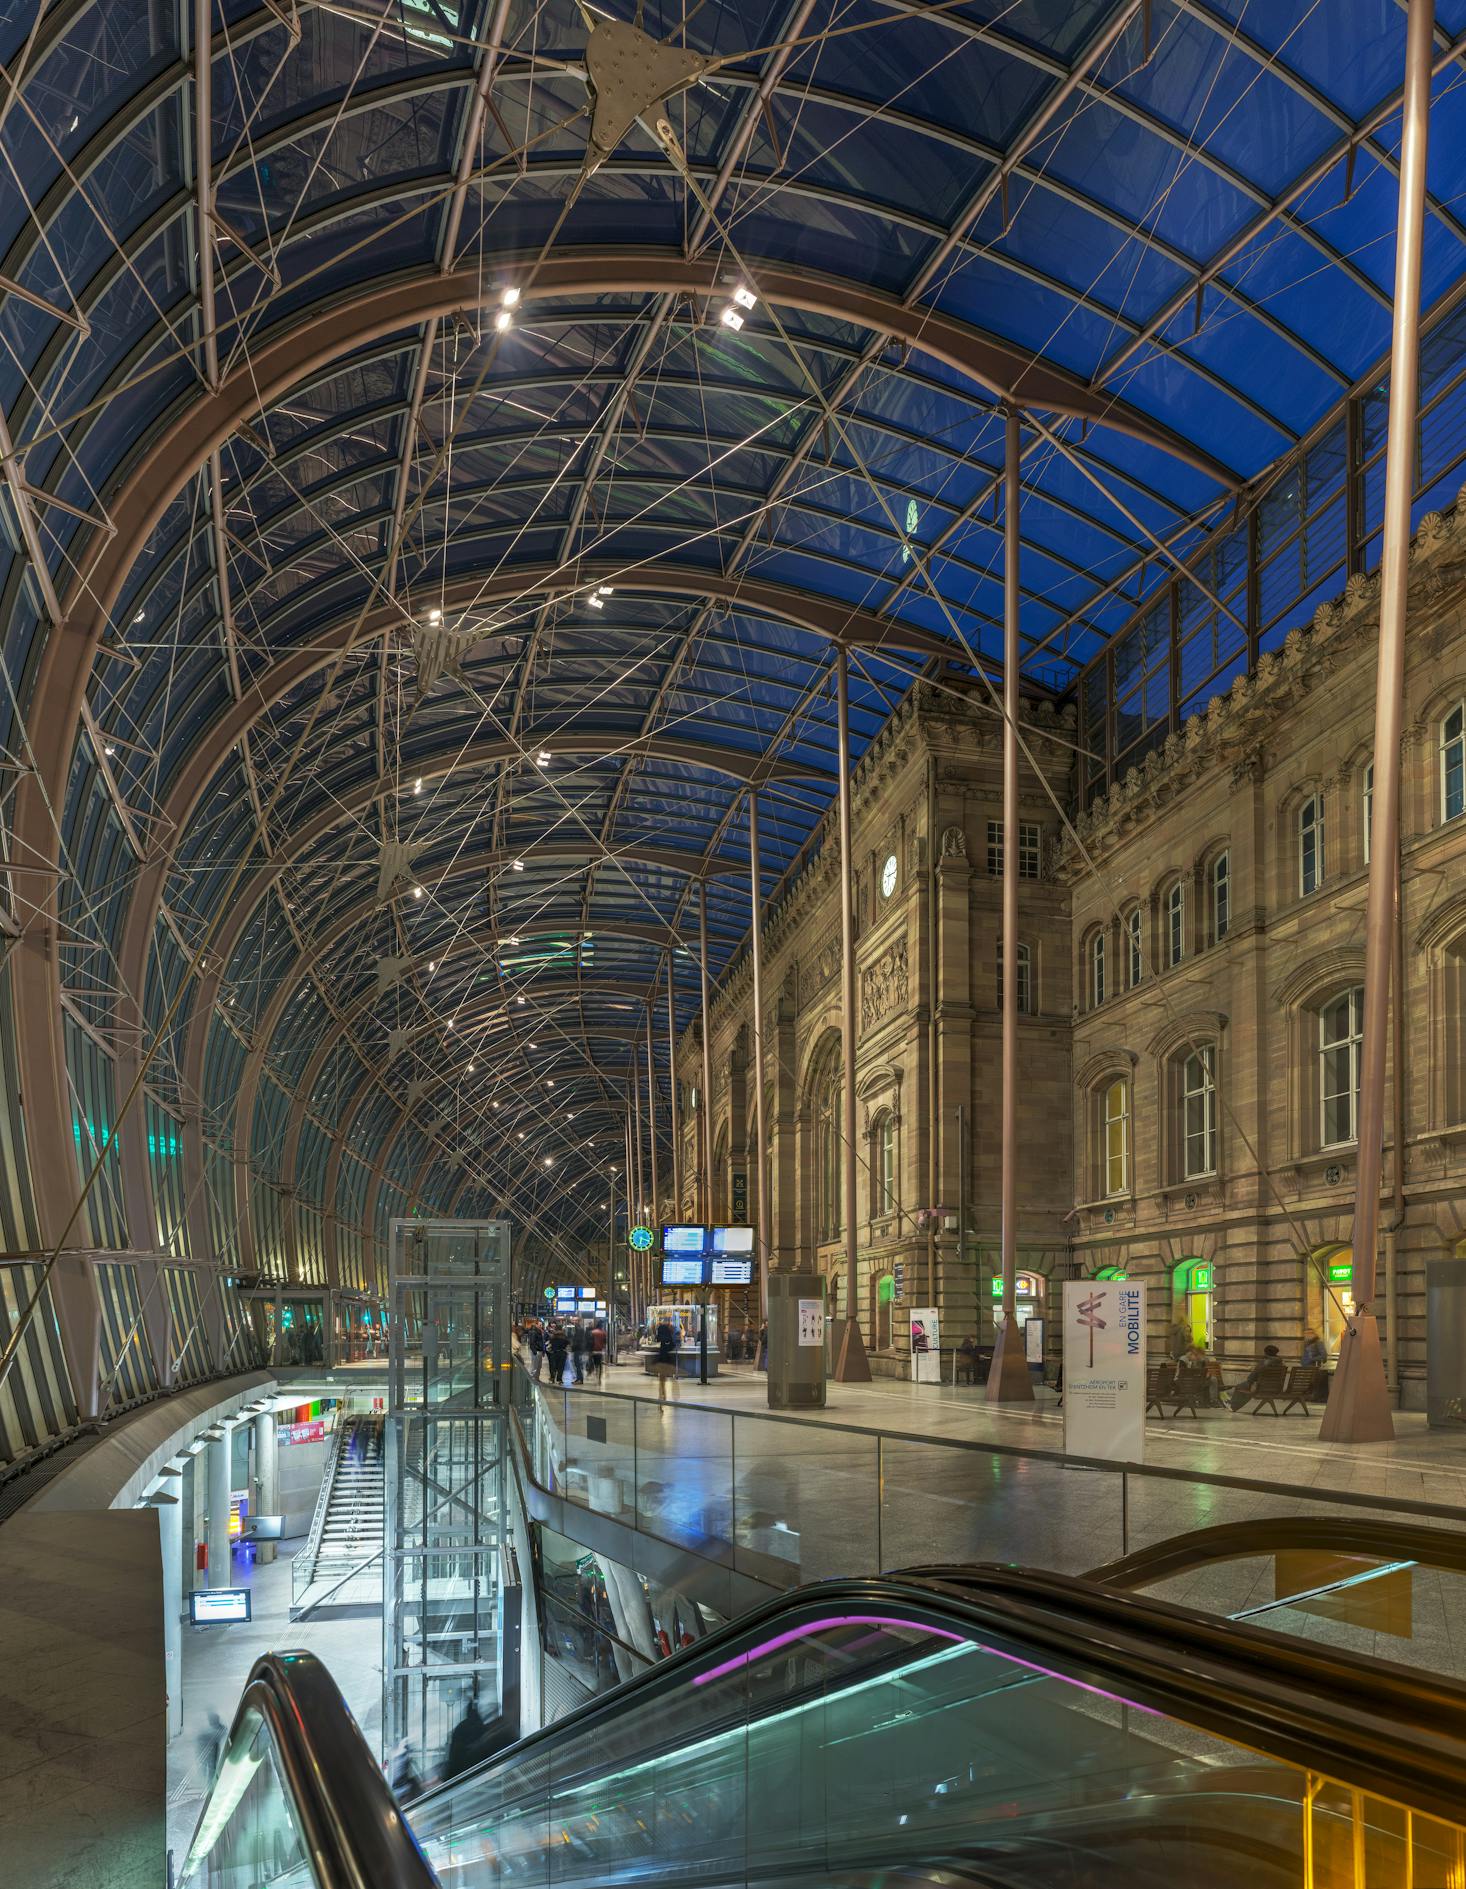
(1104, 1369)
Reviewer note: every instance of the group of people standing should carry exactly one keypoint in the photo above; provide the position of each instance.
(580, 1345)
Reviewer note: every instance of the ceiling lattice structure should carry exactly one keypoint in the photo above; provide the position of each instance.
(417, 550)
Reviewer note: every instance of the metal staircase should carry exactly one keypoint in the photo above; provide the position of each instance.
(351, 1531)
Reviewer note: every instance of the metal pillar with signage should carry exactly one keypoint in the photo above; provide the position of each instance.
(447, 1410)
(796, 1341)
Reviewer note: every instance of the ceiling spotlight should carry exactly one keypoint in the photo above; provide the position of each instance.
(549, 1161)
(472, 1067)
(141, 617)
(432, 964)
(745, 298)
(521, 1134)
(109, 750)
(731, 319)
(494, 1105)
(417, 785)
(510, 298)
(605, 590)
(542, 759)
(519, 1000)
(594, 601)
(552, 1082)
(514, 941)
(435, 616)
(417, 891)
(517, 865)
(502, 320)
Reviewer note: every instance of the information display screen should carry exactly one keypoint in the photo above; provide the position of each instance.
(728, 1270)
(682, 1271)
(683, 1239)
(731, 1239)
(218, 1606)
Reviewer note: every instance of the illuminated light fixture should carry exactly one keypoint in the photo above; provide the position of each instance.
(509, 299)
(494, 1105)
(514, 941)
(595, 602)
(432, 964)
(521, 1134)
(517, 865)
(472, 1067)
(417, 785)
(141, 617)
(605, 590)
(542, 759)
(731, 318)
(417, 891)
(519, 1000)
(745, 298)
(109, 750)
(549, 1160)
(552, 1082)
(435, 616)
(502, 320)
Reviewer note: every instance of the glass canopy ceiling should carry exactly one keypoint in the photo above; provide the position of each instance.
(332, 520)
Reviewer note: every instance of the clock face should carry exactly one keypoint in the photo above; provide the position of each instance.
(888, 876)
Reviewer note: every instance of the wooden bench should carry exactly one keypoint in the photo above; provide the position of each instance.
(1186, 1390)
(1307, 1383)
(1159, 1381)
(1271, 1382)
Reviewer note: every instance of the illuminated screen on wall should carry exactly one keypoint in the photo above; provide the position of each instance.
(729, 1270)
(707, 1240)
(683, 1239)
(731, 1239)
(679, 1270)
(218, 1606)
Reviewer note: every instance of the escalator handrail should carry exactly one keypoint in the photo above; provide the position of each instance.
(1375, 1537)
(354, 1834)
(1395, 1732)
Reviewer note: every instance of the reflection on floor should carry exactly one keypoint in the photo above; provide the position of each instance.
(216, 1663)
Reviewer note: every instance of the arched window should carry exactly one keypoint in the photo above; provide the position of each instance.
(1134, 952)
(1453, 763)
(1221, 897)
(1025, 977)
(1176, 923)
(1310, 845)
(1367, 808)
(831, 1205)
(1097, 970)
(1199, 1112)
(883, 1164)
(1340, 1035)
(1114, 1128)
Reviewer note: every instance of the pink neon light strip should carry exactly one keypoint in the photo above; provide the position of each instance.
(819, 1626)
(916, 1626)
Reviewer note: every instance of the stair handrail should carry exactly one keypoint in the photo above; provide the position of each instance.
(311, 1551)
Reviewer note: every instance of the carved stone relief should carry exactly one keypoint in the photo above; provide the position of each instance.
(884, 986)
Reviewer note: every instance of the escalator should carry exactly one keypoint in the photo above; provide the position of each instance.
(992, 1727)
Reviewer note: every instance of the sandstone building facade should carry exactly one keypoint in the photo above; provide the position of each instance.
(1192, 956)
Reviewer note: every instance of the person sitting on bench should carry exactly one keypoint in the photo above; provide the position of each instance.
(1266, 1368)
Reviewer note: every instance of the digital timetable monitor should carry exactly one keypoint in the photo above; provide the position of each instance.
(707, 1256)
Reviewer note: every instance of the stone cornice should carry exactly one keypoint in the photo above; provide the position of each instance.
(1233, 729)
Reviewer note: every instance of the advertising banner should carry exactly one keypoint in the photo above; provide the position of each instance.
(926, 1345)
(314, 1432)
(1104, 1369)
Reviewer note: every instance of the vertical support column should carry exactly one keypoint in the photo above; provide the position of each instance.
(1008, 1379)
(852, 1366)
(760, 1159)
(1358, 1410)
(170, 1545)
(705, 1114)
(651, 1121)
(675, 1103)
(267, 1478)
(221, 1573)
(638, 1200)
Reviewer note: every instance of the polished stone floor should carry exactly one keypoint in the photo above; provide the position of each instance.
(216, 1664)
